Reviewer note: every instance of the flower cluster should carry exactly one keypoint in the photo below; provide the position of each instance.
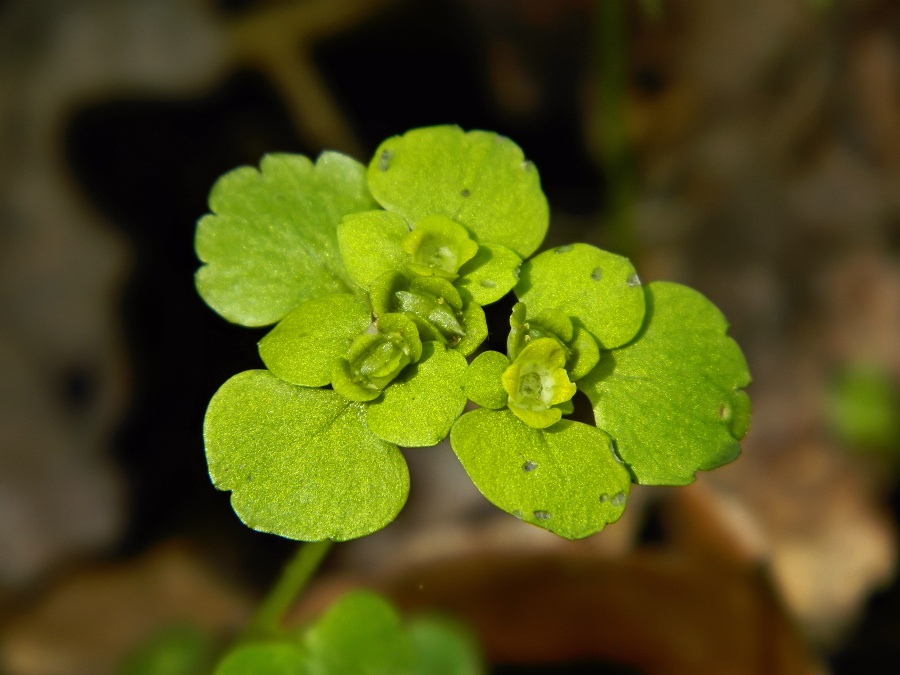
(375, 279)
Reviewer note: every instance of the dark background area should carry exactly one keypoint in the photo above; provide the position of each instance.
(766, 189)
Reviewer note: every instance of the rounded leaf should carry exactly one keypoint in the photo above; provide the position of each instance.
(370, 245)
(479, 179)
(482, 380)
(599, 289)
(270, 242)
(265, 658)
(444, 647)
(305, 345)
(491, 274)
(672, 398)
(420, 406)
(475, 322)
(301, 463)
(565, 479)
(584, 354)
(360, 634)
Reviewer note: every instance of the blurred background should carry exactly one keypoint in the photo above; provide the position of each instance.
(748, 148)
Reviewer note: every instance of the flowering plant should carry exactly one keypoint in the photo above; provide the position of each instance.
(375, 279)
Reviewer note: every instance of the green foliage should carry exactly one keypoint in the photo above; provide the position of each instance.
(443, 647)
(301, 462)
(672, 398)
(380, 300)
(271, 241)
(361, 634)
(864, 407)
(478, 179)
(422, 404)
(565, 479)
(307, 344)
(266, 658)
(179, 649)
(599, 290)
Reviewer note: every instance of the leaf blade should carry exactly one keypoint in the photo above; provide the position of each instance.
(672, 398)
(479, 179)
(418, 408)
(270, 240)
(565, 479)
(301, 463)
(598, 288)
(304, 346)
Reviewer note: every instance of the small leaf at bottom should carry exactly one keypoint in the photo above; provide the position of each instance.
(301, 463)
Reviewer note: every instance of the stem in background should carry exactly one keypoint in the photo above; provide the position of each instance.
(294, 579)
(611, 38)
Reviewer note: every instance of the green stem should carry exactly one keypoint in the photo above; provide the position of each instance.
(611, 31)
(295, 577)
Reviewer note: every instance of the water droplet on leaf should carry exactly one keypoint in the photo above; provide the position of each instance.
(633, 280)
(596, 274)
(385, 160)
(529, 466)
(527, 165)
(563, 249)
(604, 498)
(464, 193)
(487, 283)
(725, 412)
(618, 499)
(542, 515)
(518, 514)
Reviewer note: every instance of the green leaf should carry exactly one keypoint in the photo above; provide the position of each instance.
(481, 381)
(444, 647)
(864, 407)
(672, 397)
(565, 479)
(479, 179)
(270, 242)
(304, 346)
(599, 289)
(370, 245)
(491, 274)
(180, 649)
(475, 323)
(301, 463)
(420, 406)
(553, 323)
(584, 354)
(265, 658)
(360, 634)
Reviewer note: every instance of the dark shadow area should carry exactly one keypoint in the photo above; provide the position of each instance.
(148, 166)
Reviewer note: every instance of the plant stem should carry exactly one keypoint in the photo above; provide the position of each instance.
(294, 578)
(611, 35)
